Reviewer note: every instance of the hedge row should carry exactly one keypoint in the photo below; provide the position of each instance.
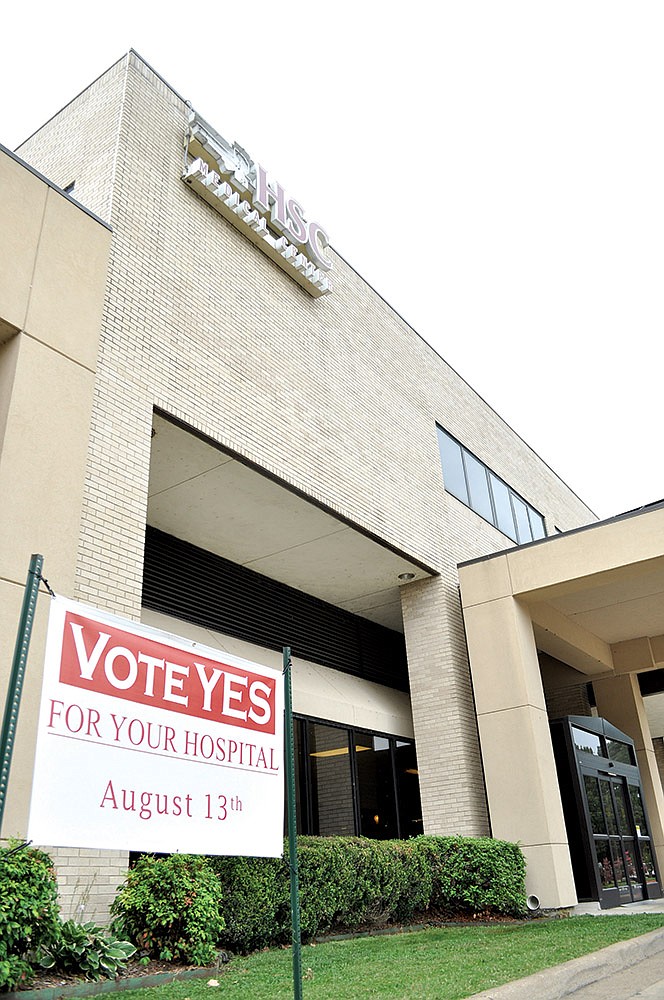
(184, 907)
(345, 883)
(349, 882)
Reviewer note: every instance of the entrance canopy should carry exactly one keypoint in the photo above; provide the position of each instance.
(595, 595)
(592, 599)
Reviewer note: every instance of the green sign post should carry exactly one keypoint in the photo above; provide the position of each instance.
(292, 825)
(16, 677)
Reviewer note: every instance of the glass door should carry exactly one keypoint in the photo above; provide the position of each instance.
(616, 844)
(644, 844)
(611, 850)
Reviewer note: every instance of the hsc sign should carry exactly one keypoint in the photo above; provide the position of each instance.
(225, 176)
(150, 742)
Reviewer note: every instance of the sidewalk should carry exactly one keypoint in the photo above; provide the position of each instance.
(628, 970)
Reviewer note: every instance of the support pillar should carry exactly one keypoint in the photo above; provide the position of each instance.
(519, 767)
(448, 753)
(620, 702)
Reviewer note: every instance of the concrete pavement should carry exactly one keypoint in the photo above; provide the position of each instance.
(628, 970)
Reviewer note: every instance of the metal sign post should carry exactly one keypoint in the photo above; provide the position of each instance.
(292, 825)
(16, 677)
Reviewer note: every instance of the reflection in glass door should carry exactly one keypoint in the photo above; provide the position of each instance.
(621, 857)
(643, 834)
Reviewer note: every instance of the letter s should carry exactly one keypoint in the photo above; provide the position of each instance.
(256, 691)
(297, 227)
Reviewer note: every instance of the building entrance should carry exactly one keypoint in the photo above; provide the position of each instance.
(605, 815)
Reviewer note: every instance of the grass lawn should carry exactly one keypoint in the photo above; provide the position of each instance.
(446, 963)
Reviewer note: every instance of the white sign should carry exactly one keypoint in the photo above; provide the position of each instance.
(258, 206)
(150, 742)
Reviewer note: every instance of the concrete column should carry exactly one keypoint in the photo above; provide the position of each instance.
(658, 747)
(51, 295)
(620, 702)
(519, 767)
(52, 284)
(448, 754)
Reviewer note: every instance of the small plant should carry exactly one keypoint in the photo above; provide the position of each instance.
(85, 948)
(171, 908)
(28, 910)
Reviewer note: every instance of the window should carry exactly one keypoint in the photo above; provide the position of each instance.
(475, 485)
(350, 781)
(587, 742)
(330, 780)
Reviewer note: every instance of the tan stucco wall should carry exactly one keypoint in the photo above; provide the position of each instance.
(521, 781)
(52, 283)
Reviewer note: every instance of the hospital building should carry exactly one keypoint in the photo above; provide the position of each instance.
(211, 423)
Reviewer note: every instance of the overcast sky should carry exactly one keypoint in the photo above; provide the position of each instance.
(494, 169)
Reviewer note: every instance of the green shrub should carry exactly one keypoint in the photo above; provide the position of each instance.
(256, 901)
(172, 908)
(475, 874)
(28, 910)
(85, 948)
(371, 882)
(415, 882)
(14, 972)
(328, 882)
(379, 881)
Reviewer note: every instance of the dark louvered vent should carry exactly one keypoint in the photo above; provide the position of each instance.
(190, 583)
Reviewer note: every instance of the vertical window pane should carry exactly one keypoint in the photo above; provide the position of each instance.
(522, 522)
(375, 780)
(331, 787)
(478, 485)
(619, 866)
(638, 812)
(501, 501)
(453, 474)
(604, 866)
(633, 876)
(648, 863)
(597, 821)
(609, 811)
(536, 524)
(408, 789)
(621, 808)
(301, 818)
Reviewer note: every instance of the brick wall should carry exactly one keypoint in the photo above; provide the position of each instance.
(568, 701)
(87, 881)
(335, 396)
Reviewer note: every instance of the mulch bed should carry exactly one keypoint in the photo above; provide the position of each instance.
(135, 968)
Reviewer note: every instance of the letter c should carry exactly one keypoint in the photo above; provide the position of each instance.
(316, 243)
